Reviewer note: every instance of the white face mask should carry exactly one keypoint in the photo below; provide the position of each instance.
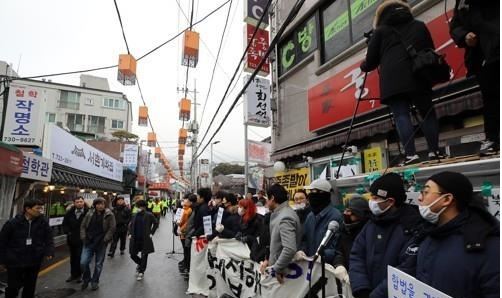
(240, 211)
(428, 215)
(375, 208)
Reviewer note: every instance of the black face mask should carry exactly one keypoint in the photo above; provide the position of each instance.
(318, 201)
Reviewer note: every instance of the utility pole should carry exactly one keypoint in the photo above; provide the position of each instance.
(246, 158)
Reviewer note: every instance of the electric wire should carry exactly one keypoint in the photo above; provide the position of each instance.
(265, 12)
(292, 14)
(121, 26)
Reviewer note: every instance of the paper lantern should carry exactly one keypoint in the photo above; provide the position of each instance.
(182, 136)
(127, 70)
(151, 139)
(157, 152)
(143, 116)
(190, 49)
(185, 106)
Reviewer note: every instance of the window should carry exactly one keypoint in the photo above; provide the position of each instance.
(117, 104)
(117, 124)
(50, 117)
(89, 102)
(69, 100)
(76, 122)
(96, 124)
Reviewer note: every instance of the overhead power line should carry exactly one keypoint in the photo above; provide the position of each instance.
(294, 11)
(121, 26)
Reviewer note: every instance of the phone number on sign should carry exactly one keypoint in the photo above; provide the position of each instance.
(19, 140)
(56, 157)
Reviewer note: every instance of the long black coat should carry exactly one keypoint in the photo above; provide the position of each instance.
(13, 249)
(71, 226)
(481, 17)
(150, 226)
(386, 50)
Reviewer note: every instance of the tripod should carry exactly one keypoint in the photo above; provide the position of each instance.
(173, 252)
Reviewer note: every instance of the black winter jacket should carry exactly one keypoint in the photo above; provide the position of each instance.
(71, 226)
(386, 51)
(481, 17)
(13, 249)
(122, 218)
(250, 231)
(261, 250)
(470, 243)
(345, 242)
(383, 241)
(200, 211)
(150, 225)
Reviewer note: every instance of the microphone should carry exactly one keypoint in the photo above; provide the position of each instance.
(333, 227)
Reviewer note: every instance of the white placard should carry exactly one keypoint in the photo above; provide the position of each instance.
(208, 226)
(26, 108)
(219, 216)
(36, 167)
(63, 148)
(179, 213)
(257, 102)
(494, 202)
(402, 285)
(56, 221)
(130, 156)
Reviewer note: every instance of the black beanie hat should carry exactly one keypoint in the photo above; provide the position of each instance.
(231, 198)
(389, 186)
(456, 184)
(359, 206)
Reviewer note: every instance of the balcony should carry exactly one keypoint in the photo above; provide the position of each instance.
(63, 104)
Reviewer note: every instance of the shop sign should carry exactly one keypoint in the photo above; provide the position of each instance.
(253, 10)
(256, 51)
(373, 160)
(36, 167)
(65, 149)
(257, 103)
(259, 152)
(335, 99)
(293, 180)
(26, 108)
(131, 156)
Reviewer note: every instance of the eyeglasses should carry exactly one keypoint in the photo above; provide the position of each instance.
(425, 193)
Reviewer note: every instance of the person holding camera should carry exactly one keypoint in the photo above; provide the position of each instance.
(400, 88)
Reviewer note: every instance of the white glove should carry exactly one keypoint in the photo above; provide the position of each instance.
(342, 274)
(220, 228)
(299, 255)
(179, 231)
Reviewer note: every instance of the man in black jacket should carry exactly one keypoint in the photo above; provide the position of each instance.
(476, 27)
(71, 226)
(143, 226)
(122, 218)
(203, 198)
(24, 241)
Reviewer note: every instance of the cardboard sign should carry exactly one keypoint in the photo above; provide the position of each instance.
(179, 213)
(220, 216)
(402, 285)
(208, 227)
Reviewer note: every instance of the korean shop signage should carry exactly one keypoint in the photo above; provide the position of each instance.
(36, 167)
(257, 102)
(25, 112)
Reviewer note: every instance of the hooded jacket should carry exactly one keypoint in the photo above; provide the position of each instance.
(383, 241)
(471, 242)
(394, 22)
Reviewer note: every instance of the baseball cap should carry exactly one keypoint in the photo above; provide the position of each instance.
(320, 184)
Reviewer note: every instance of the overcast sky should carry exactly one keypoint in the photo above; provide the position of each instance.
(44, 37)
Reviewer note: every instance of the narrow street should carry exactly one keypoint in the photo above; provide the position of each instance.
(118, 278)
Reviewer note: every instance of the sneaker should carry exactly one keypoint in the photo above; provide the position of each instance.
(94, 286)
(409, 160)
(487, 148)
(84, 285)
(437, 155)
(140, 276)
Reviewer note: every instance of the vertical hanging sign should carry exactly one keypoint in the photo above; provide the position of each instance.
(257, 102)
(256, 51)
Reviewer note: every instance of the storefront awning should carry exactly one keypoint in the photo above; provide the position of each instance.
(70, 177)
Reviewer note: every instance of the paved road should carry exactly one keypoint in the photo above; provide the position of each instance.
(118, 277)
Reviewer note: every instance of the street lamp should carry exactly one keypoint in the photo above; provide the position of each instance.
(211, 164)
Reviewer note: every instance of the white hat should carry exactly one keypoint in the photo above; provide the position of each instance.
(320, 184)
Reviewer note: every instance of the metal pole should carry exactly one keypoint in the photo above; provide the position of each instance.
(246, 163)
(211, 169)
(195, 134)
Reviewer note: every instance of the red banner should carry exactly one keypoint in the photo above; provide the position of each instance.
(257, 50)
(11, 161)
(334, 100)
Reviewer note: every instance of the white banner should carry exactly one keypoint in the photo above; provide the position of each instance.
(197, 281)
(230, 271)
(257, 103)
(65, 149)
(402, 285)
(36, 167)
(259, 152)
(130, 156)
(26, 108)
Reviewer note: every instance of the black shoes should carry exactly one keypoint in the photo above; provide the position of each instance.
(84, 285)
(94, 286)
(110, 254)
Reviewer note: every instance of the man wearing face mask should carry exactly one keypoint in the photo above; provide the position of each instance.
(465, 235)
(383, 239)
(355, 216)
(316, 224)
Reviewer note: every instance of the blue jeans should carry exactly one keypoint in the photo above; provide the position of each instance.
(86, 259)
(401, 108)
